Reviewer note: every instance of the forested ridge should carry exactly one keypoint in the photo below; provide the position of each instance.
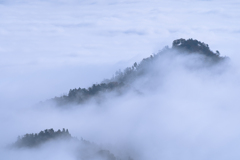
(123, 79)
(85, 150)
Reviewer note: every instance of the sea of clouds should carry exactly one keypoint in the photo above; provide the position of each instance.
(49, 47)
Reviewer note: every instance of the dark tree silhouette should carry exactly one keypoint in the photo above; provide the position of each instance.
(32, 140)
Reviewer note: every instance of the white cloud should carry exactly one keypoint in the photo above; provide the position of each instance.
(49, 47)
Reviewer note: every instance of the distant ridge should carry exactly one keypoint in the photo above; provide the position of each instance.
(124, 79)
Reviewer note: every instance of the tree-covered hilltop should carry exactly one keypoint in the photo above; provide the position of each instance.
(36, 139)
(124, 79)
(195, 46)
(85, 150)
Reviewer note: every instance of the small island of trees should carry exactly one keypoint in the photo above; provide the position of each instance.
(32, 140)
(85, 150)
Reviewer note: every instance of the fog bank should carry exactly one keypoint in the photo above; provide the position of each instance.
(182, 112)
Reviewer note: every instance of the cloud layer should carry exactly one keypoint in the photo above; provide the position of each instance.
(49, 47)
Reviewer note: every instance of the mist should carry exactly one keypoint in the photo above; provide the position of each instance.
(183, 109)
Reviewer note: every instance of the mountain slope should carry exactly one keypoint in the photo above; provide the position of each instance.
(125, 79)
